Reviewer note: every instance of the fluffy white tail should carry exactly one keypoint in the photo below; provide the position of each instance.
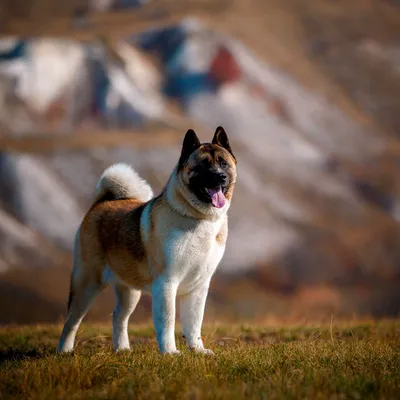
(121, 181)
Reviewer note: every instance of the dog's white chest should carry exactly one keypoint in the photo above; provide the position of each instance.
(193, 254)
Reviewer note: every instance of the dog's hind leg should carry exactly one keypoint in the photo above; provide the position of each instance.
(81, 299)
(85, 285)
(127, 300)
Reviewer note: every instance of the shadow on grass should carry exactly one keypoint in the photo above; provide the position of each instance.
(13, 354)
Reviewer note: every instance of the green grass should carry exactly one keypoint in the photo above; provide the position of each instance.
(353, 360)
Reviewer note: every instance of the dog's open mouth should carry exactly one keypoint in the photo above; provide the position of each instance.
(217, 197)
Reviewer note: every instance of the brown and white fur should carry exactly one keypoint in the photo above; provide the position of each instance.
(169, 245)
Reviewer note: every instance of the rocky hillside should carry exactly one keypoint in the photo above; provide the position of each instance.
(314, 219)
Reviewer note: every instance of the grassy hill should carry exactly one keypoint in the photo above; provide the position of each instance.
(357, 360)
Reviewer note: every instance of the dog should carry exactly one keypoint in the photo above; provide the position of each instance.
(169, 245)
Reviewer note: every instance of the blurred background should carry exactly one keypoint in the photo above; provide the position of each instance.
(308, 92)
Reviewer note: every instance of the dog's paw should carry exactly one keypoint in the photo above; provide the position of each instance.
(122, 350)
(65, 353)
(173, 352)
(208, 352)
(65, 350)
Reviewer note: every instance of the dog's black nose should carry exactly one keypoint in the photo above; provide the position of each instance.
(221, 177)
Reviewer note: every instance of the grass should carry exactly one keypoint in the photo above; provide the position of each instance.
(351, 360)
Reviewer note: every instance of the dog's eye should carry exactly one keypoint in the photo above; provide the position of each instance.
(222, 163)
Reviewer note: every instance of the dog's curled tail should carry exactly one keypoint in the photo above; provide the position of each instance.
(121, 181)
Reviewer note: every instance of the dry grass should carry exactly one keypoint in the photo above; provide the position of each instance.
(352, 360)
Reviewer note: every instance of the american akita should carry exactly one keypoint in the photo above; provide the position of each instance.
(169, 245)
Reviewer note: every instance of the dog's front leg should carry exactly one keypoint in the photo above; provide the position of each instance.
(164, 297)
(192, 311)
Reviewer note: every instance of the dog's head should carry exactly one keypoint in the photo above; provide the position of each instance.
(208, 170)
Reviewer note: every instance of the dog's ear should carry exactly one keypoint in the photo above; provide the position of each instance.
(190, 143)
(221, 139)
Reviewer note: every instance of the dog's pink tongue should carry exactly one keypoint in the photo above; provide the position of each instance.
(217, 197)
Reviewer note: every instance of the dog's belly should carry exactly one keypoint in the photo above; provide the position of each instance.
(131, 270)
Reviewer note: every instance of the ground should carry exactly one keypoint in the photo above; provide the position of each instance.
(357, 360)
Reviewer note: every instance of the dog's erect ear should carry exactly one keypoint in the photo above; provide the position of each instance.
(190, 144)
(221, 139)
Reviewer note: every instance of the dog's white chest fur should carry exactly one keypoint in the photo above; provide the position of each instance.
(193, 253)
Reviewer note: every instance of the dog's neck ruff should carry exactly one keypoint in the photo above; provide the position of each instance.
(182, 201)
